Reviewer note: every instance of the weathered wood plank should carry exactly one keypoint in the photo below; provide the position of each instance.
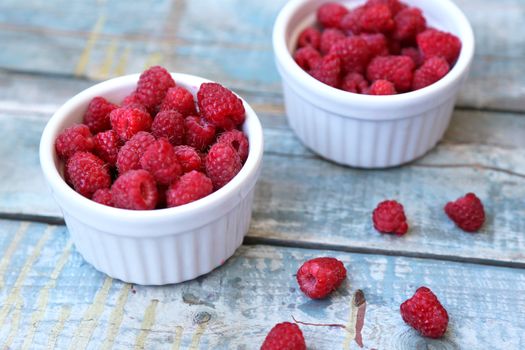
(51, 296)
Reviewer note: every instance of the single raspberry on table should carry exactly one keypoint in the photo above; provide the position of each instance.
(433, 42)
(319, 277)
(127, 121)
(424, 313)
(238, 141)
(103, 196)
(284, 336)
(220, 106)
(199, 133)
(169, 124)
(409, 23)
(467, 212)
(307, 57)
(354, 82)
(87, 173)
(97, 114)
(382, 87)
(222, 164)
(107, 146)
(376, 19)
(129, 155)
(389, 217)
(413, 53)
(330, 14)
(188, 188)
(328, 70)
(160, 160)
(310, 36)
(430, 71)
(397, 69)
(152, 86)
(351, 22)
(394, 5)
(377, 44)
(179, 99)
(328, 38)
(353, 52)
(76, 138)
(188, 158)
(135, 190)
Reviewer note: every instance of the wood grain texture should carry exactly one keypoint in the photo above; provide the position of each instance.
(235, 306)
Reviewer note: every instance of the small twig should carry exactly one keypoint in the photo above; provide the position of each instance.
(319, 324)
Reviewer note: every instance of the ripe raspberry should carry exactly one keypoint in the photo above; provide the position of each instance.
(354, 82)
(135, 190)
(238, 141)
(396, 69)
(132, 101)
(352, 21)
(353, 52)
(97, 114)
(103, 196)
(87, 173)
(467, 212)
(431, 71)
(284, 336)
(394, 5)
(376, 19)
(188, 158)
(161, 162)
(328, 70)
(76, 138)
(222, 164)
(413, 53)
(189, 188)
(330, 14)
(377, 44)
(382, 87)
(409, 23)
(152, 86)
(319, 277)
(179, 99)
(433, 42)
(307, 57)
(389, 217)
(127, 121)
(107, 145)
(220, 106)
(199, 133)
(169, 124)
(425, 314)
(128, 157)
(328, 38)
(310, 36)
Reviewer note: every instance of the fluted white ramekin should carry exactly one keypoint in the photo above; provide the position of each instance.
(362, 130)
(153, 247)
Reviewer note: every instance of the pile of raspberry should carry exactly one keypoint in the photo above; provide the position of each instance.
(383, 47)
(158, 148)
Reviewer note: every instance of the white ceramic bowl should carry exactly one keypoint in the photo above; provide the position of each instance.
(362, 130)
(153, 247)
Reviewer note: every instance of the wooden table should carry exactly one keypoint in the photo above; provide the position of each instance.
(305, 206)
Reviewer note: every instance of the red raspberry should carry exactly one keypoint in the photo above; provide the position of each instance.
(328, 38)
(238, 141)
(132, 101)
(433, 42)
(425, 314)
(189, 188)
(135, 190)
(76, 138)
(128, 157)
(328, 71)
(389, 217)
(107, 145)
(169, 124)
(103, 196)
(396, 69)
(179, 99)
(87, 173)
(152, 86)
(222, 164)
(376, 19)
(199, 133)
(127, 121)
(354, 82)
(97, 114)
(413, 53)
(467, 212)
(409, 23)
(382, 87)
(319, 277)
(284, 336)
(188, 158)
(353, 52)
(310, 36)
(394, 5)
(161, 162)
(377, 44)
(220, 106)
(431, 71)
(307, 57)
(352, 21)
(330, 14)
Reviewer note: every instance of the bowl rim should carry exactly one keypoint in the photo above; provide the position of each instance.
(289, 68)
(250, 169)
